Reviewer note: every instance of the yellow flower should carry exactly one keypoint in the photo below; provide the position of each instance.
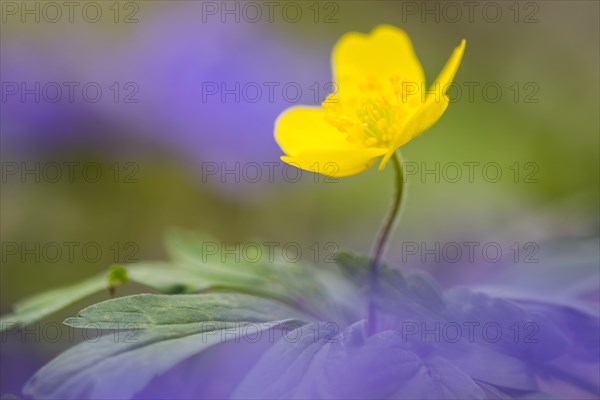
(381, 103)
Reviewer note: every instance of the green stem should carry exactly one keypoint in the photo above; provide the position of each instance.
(382, 239)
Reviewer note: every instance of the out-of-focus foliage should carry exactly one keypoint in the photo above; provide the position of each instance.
(331, 356)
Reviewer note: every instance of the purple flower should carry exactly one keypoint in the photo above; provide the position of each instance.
(207, 89)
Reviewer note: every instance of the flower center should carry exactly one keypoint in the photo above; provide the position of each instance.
(375, 117)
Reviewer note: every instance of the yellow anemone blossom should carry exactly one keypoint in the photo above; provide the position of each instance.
(380, 103)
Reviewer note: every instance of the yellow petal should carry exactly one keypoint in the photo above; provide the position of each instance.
(314, 145)
(434, 106)
(437, 101)
(336, 164)
(387, 51)
(301, 129)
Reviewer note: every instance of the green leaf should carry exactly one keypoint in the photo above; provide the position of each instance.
(169, 329)
(356, 269)
(198, 266)
(162, 276)
(167, 277)
(37, 307)
(147, 311)
(415, 290)
(298, 284)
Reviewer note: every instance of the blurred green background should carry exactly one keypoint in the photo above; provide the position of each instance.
(548, 49)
